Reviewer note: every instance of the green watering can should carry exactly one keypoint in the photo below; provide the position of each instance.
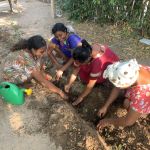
(12, 93)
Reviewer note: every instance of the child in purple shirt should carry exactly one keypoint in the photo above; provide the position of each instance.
(63, 43)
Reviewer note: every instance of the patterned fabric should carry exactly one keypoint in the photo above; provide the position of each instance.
(94, 70)
(139, 97)
(122, 74)
(66, 47)
(18, 67)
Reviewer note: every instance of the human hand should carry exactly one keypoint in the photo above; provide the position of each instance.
(67, 88)
(102, 111)
(103, 123)
(63, 95)
(59, 74)
(79, 100)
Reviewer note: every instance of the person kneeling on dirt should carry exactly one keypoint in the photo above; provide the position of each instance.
(63, 43)
(90, 63)
(21, 65)
(135, 79)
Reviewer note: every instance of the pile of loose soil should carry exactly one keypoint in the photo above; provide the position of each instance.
(125, 42)
(73, 128)
(46, 113)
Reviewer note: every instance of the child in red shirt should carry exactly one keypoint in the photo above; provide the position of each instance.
(94, 69)
(90, 63)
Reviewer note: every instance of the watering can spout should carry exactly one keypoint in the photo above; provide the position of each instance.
(28, 91)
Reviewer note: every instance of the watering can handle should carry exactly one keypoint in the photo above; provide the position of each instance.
(4, 84)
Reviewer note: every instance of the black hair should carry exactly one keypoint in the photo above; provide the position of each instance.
(59, 27)
(34, 42)
(82, 53)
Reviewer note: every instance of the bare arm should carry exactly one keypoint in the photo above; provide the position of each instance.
(52, 46)
(66, 66)
(59, 72)
(87, 90)
(72, 79)
(113, 95)
(40, 78)
(127, 120)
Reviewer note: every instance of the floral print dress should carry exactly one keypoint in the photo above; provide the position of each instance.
(18, 67)
(139, 97)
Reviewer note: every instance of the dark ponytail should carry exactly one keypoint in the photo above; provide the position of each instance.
(86, 45)
(34, 42)
(59, 27)
(22, 44)
(82, 53)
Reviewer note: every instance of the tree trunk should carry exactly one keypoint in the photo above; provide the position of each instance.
(10, 4)
(53, 8)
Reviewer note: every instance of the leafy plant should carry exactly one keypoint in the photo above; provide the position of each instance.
(135, 12)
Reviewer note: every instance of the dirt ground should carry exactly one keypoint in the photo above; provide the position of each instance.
(45, 121)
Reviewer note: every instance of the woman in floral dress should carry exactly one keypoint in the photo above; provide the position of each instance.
(136, 79)
(21, 64)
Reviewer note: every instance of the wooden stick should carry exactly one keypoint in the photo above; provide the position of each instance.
(103, 142)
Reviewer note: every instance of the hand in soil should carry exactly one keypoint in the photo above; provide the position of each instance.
(103, 123)
(102, 111)
(67, 88)
(63, 95)
(79, 100)
(59, 74)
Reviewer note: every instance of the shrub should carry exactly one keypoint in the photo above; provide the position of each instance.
(135, 12)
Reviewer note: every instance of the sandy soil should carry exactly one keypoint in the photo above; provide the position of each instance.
(125, 42)
(44, 121)
(20, 127)
(47, 122)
